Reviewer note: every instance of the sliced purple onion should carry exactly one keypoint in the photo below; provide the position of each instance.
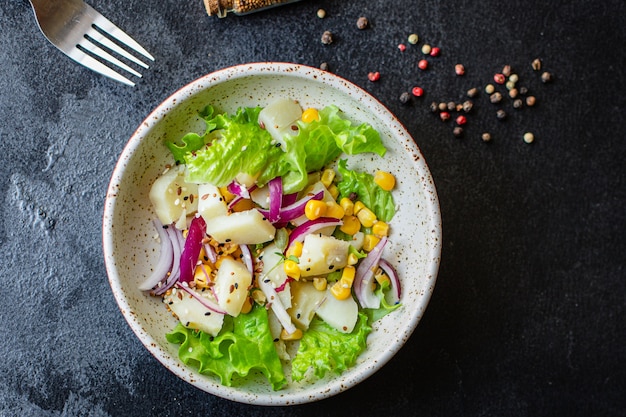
(276, 199)
(294, 210)
(240, 190)
(176, 237)
(203, 300)
(311, 226)
(166, 258)
(396, 289)
(191, 250)
(365, 274)
(289, 199)
(209, 251)
(247, 258)
(276, 306)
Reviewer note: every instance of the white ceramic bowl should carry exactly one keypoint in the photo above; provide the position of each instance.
(130, 249)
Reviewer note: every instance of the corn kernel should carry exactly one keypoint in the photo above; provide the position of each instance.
(353, 259)
(297, 335)
(258, 296)
(334, 210)
(291, 269)
(366, 217)
(295, 249)
(382, 278)
(333, 191)
(340, 290)
(328, 175)
(347, 276)
(315, 209)
(202, 276)
(227, 195)
(310, 115)
(369, 242)
(320, 283)
(358, 206)
(348, 206)
(243, 205)
(219, 260)
(380, 229)
(351, 225)
(385, 180)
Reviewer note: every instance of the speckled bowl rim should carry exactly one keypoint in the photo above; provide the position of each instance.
(336, 385)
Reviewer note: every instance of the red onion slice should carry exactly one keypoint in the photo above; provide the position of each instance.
(289, 199)
(191, 250)
(365, 275)
(294, 210)
(276, 199)
(277, 307)
(311, 226)
(166, 258)
(209, 251)
(247, 258)
(203, 300)
(176, 237)
(396, 289)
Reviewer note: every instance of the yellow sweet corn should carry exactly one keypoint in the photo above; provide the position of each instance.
(369, 242)
(366, 217)
(315, 209)
(328, 175)
(320, 283)
(291, 269)
(380, 229)
(350, 225)
(202, 276)
(357, 207)
(247, 306)
(334, 191)
(334, 210)
(340, 290)
(310, 115)
(348, 206)
(295, 249)
(385, 180)
(347, 275)
(353, 259)
(297, 335)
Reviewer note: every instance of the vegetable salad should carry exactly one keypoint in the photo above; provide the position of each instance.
(271, 246)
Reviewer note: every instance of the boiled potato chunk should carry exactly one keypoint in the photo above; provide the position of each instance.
(279, 117)
(231, 285)
(192, 314)
(172, 197)
(247, 227)
(322, 254)
(305, 299)
(339, 314)
(211, 203)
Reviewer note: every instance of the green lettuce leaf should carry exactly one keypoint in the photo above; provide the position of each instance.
(351, 139)
(325, 349)
(375, 198)
(385, 307)
(247, 346)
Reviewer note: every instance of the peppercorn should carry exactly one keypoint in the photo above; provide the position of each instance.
(422, 64)
(495, 97)
(513, 92)
(402, 47)
(457, 131)
(459, 107)
(324, 66)
(523, 90)
(509, 85)
(467, 106)
(413, 38)
(404, 97)
(530, 101)
(506, 70)
(517, 103)
(373, 76)
(459, 69)
(362, 23)
(443, 106)
(546, 77)
(528, 137)
(434, 107)
(426, 49)
(501, 114)
(435, 51)
(536, 64)
(489, 89)
(499, 78)
(444, 115)
(461, 120)
(327, 37)
(321, 13)
(472, 92)
(451, 106)
(417, 91)
(514, 78)
(486, 137)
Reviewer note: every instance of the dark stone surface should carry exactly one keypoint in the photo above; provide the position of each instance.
(528, 317)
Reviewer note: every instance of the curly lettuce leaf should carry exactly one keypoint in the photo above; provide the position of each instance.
(385, 306)
(362, 184)
(351, 139)
(324, 349)
(247, 346)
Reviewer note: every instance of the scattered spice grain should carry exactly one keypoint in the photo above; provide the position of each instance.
(546, 77)
(529, 137)
(459, 69)
(362, 23)
(517, 103)
(373, 76)
(461, 120)
(499, 78)
(444, 116)
(467, 106)
(321, 13)
(451, 106)
(506, 70)
(495, 97)
(501, 114)
(402, 47)
(327, 37)
(486, 137)
(417, 91)
(422, 64)
(513, 92)
(536, 64)
(530, 101)
(324, 66)
(457, 131)
(472, 92)
(404, 98)
(413, 38)
(426, 49)
(435, 51)
(489, 89)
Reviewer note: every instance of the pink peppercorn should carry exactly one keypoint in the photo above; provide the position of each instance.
(461, 120)
(459, 69)
(422, 64)
(435, 51)
(417, 91)
(402, 47)
(499, 78)
(373, 76)
(444, 115)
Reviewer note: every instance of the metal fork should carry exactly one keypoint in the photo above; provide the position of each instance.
(80, 32)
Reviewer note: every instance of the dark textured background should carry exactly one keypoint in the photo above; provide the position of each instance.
(528, 316)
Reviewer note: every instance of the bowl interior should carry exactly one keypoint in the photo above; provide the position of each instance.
(131, 250)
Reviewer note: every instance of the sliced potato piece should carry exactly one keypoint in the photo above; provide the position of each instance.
(211, 203)
(279, 118)
(322, 254)
(339, 314)
(247, 227)
(172, 197)
(305, 299)
(192, 314)
(231, 285)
